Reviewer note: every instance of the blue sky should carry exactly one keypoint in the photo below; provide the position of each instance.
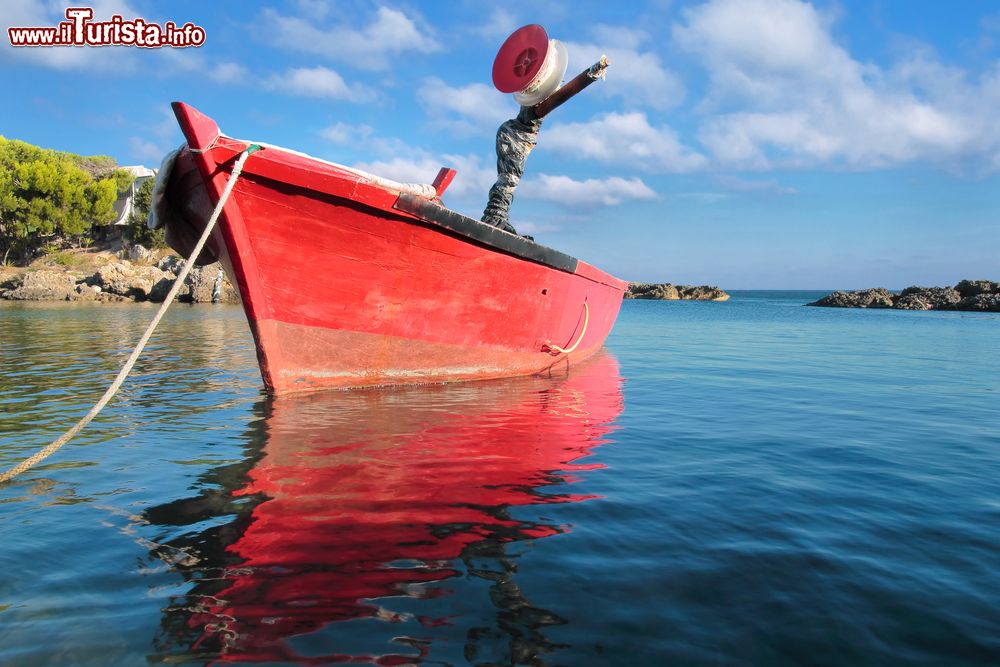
(744, 143)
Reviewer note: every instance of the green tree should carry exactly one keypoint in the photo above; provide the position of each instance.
(46, 194)
(138, 231)
(95, 165)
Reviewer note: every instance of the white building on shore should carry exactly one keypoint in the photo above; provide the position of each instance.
(124, 205)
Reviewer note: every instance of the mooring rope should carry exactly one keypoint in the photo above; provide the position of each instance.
(126, 369)
(586, 319)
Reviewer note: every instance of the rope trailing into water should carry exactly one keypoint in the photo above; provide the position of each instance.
(586, 319)
(127, 368)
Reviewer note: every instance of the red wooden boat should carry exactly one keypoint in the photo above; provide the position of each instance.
(348, 279)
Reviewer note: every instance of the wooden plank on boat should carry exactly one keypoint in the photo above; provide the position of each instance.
(488, 235)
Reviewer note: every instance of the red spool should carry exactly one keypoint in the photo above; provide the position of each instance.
(520, 58)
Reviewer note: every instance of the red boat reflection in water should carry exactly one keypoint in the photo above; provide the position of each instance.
(375, 510)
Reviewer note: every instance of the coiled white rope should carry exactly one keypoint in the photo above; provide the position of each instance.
(123, 373)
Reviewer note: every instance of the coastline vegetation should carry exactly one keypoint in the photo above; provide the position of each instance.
(51, 201)
(137, 232)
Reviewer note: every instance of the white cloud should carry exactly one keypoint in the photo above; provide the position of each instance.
(499, 26)
(479, 174)
(765, 186)
(783, 93)
(590, 192)
(468, 108)
(163, 125)
(111, 59)
(316, 9)
(476, 176)
(167, 62)
(228, 72)
(31, 13)
(344, 134)
(473, 179)
(373, 46)
(146, 151)
(637, 76)
(624, 138)
(620, 36)
(770, 37)
(171, 61)
(535, 228)
(319, 82)
(707, 198)
(404, 170)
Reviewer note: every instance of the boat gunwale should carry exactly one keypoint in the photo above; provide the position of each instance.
(294, 169)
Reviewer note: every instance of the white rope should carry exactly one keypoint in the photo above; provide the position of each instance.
(206, 148)
(424, 190)
(567, 350)
(123, 373)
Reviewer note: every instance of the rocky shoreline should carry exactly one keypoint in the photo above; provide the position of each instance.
(139, 276)
(670, 292)
(967, 295)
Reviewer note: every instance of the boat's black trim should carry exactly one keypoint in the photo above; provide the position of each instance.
(488, 235)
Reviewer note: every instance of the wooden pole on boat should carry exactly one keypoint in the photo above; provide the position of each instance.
(577, 84)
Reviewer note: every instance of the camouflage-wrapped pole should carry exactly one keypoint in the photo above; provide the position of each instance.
(517, 136)
(515, 139)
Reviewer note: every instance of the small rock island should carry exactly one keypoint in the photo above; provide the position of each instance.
(970, 295)
(670, 292)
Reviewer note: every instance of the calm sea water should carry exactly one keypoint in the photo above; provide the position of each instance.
(745, 483)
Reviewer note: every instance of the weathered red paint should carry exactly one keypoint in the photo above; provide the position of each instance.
(443, 180)
(342, 290)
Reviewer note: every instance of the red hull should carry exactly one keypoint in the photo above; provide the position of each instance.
(344, 289)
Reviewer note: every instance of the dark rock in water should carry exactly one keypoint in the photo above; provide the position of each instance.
(661, 291)
(967, 288)
(868, 298)
(702, 293)
(911, 302)
(670, 292)
(981, 295)
(989, 303)
(927, 298)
